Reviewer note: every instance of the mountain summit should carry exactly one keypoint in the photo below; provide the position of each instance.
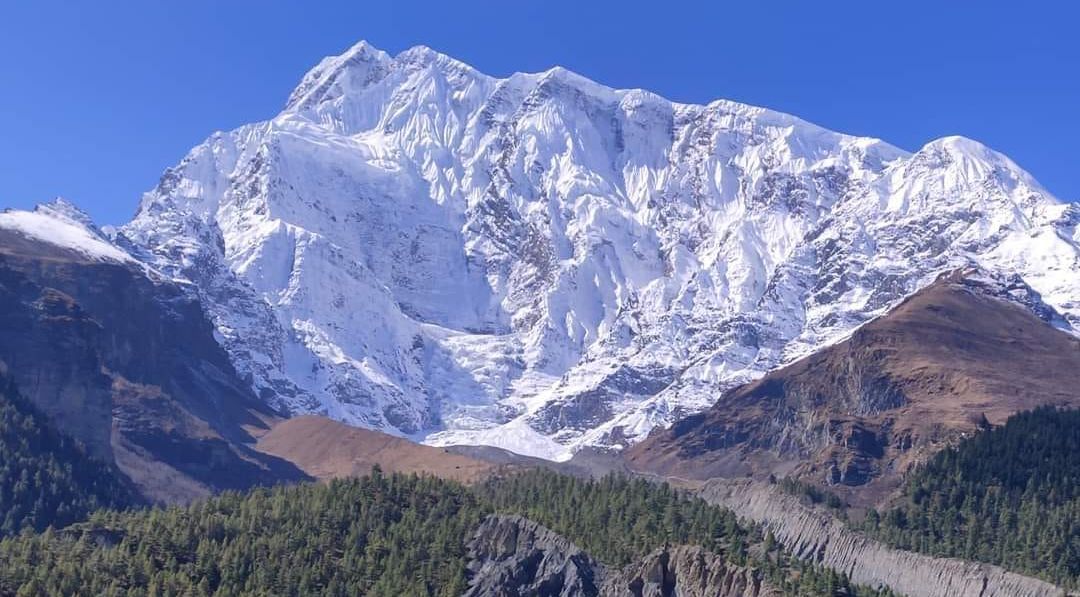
(543, 263)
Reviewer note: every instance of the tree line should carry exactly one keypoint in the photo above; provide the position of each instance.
(375, 535)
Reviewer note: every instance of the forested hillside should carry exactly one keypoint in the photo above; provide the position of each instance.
(373, 535)
(45, 477)
(619, 520)
(379, 535)
(1007, 496)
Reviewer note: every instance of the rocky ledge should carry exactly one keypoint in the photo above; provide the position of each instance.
(511, 555)
(686, 571)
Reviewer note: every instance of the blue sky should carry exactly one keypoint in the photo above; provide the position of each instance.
(97, 98)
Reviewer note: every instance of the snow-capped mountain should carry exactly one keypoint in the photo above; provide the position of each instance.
(542, 263)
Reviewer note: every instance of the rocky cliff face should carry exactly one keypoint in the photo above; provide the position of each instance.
(967, 351)
(818, 537)
(125, 361)
(542, 263)
(686, 571)
(514, 556)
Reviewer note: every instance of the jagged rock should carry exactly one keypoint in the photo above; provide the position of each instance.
(685, 571)
(512, 556)
(818, 537)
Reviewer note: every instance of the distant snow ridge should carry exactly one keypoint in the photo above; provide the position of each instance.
(62, 224)
(542, 263)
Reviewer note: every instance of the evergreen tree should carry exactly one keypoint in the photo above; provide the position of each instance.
(1008, 496)
(383, 534)
(46, 478)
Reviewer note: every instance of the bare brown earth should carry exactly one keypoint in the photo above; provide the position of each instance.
(327, 449)
(950, 359)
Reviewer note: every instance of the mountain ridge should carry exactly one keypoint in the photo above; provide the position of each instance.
(542, 263)
(958, 356)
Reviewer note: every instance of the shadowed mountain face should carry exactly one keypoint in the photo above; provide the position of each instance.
(963, 353)
(128, 365)
(46, 478)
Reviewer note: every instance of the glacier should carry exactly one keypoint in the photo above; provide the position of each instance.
(542, 263)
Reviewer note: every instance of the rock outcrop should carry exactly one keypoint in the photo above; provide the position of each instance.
(818, 537)
(513, 556)
(685, 571)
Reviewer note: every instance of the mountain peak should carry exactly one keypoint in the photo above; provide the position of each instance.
(959, 143)
(61, 224)
(421, 54)
(362, 52)
(66, 210)
(543, 263)
(358, 66)
(964, 149)
(974, 157)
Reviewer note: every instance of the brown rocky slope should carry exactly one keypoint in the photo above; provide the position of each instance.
(965, 352)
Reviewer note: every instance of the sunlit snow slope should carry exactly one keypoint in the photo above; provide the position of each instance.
(542, 263)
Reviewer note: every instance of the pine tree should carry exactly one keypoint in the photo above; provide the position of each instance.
(1008, 496)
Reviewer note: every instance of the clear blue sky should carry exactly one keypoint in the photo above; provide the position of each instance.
(97, 98)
